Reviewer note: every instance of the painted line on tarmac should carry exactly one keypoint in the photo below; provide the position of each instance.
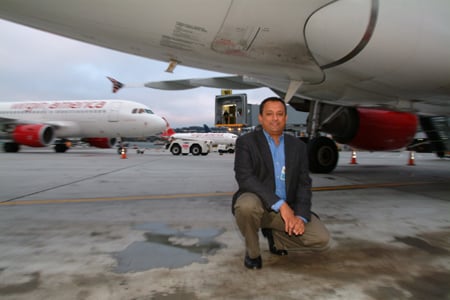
(370, 186)
(126, 198)
(204, 195)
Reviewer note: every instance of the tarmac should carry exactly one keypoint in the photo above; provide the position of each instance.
(88, 224)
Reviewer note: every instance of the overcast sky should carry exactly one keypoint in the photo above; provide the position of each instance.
(36, 65)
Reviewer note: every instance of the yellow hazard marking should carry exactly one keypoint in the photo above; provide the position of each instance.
(203, 195)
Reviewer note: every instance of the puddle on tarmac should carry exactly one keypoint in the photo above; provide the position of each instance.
(166, 247)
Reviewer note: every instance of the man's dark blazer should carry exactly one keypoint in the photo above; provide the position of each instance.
(254, 171)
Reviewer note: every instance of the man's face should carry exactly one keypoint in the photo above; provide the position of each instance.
(273, 118)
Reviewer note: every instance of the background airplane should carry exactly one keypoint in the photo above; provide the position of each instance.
(97, 122)
(363, 69)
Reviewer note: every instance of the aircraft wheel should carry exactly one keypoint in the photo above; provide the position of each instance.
(11, 147)
(60, 148)
(196, 149)
(176, 149)
(323, 155)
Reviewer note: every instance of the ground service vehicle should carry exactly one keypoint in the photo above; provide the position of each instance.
(225, 148)
(178, 147)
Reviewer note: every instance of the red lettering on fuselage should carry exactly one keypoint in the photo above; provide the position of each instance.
(29, 106)
(59, 105)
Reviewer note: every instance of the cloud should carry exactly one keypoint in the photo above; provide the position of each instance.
(36, 65)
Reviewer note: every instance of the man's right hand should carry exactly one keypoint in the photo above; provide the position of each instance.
(292, 224)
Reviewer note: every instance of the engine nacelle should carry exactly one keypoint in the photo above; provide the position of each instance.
(103, 143)
(373, 129)
(33, 135)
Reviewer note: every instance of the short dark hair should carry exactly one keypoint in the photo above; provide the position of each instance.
(275, 99)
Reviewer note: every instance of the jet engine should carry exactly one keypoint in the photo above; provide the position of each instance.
(33, 135)
(360, 128)
(101, 142)
(372, 129)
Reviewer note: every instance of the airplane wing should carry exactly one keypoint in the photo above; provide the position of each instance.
(11, 121)
(55, 124)
(237, 82)
(226, 82)
(6, 120)
(363, 53)
(334, 59)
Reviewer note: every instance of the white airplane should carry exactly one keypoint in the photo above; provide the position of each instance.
(97, 122)
(364, 69)
(216, 138)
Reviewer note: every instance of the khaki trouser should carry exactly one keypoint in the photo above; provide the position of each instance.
(251, 216)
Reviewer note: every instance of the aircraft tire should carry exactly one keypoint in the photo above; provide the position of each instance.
(11, 147)
(323, 155)
(60, 148)
(176, 149)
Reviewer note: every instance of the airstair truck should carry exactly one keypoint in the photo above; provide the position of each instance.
(184, 147)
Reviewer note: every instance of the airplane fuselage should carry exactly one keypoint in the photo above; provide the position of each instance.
(349, 63)
(86, 118)
(374, 53)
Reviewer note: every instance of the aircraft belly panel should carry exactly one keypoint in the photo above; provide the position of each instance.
(333, 37)
(262, 37)
(150, 27)
(404, 65)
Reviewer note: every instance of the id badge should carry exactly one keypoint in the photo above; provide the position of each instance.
(283, 174)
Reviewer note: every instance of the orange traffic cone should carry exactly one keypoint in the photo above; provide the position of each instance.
(123, 153)
(353, 160)
(411, 159)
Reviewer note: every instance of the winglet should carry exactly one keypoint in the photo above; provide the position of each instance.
(117, 85)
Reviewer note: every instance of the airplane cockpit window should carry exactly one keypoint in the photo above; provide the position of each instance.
(142, 111)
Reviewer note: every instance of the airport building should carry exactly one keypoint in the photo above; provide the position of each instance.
(235, 113)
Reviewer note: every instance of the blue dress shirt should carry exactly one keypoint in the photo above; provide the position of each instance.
(278, 158)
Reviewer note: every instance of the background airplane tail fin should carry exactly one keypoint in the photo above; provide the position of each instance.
(168, 132)
(117, 85)
(207, 129)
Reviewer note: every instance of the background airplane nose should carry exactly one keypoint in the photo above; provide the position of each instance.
(160, 124)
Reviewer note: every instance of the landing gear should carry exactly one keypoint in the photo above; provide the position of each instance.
(322, 151)
(61, 148)
(323, 155)
(11, 147)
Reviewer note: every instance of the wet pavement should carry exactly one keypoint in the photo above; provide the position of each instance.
(89, 225)
(169, 248)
